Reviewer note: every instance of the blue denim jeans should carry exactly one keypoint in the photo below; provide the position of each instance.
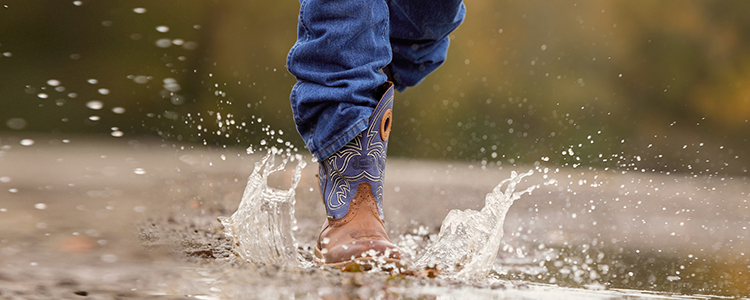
(341, 48)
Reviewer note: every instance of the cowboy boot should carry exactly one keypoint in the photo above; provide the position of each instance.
(351, 181)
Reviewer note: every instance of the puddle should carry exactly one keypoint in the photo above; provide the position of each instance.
(466, 251)
(555, 243)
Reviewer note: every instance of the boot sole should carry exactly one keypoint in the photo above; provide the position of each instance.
(362, 263)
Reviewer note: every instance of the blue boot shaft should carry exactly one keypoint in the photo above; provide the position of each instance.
(361, 160)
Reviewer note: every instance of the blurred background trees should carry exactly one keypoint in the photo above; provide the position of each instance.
(658, 86)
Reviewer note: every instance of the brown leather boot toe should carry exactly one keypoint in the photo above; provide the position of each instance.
(358, 237)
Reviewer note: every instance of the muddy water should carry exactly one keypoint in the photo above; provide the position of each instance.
(137, 219)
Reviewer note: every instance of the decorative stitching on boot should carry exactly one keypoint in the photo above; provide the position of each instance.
(362, 160)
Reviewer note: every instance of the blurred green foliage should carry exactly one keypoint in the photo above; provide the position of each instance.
(645, 85)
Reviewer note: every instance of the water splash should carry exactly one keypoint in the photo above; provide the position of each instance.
(262, 226)
(466, 246)
(469, 240)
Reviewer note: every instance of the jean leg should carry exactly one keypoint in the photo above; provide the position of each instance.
(419, 32)
(341, 47)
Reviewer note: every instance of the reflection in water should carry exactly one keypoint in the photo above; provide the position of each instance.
(597, 267)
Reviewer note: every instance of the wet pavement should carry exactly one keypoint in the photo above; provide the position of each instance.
(104, 218)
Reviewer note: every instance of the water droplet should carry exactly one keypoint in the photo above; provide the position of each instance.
(77, 3)
(7, 54)
(40, 206)
(94, 118)
(544, 47)
(140, 79)
(5, 179)
(139, 171)
(162, 28)
(170, 84)
(139, 10)
(16, 123)
(117, 133)
(92, 81)
(95, 104)
(163, 43)
(104, 91)
(190, 46)
(53, 82)
(177, 99)
(13, 190)
(42, 96)
(27, 142)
